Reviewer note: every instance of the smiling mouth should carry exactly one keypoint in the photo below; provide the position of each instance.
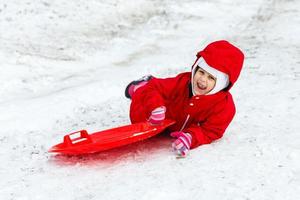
(201, 86)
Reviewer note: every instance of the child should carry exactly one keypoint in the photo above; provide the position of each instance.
(199, 101)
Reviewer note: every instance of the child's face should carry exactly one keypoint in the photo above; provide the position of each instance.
(203, 82)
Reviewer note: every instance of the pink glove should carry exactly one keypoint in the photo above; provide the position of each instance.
(183, 143)
(157, 115)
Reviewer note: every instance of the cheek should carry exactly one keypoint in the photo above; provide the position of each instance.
(195, 78)
(212, 83)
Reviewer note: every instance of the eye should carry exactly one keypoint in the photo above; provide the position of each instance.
(211, 78)
(201, 72)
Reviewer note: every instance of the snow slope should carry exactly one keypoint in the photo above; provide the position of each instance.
(64, 66)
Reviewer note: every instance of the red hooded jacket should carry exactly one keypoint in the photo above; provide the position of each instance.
(205, 117)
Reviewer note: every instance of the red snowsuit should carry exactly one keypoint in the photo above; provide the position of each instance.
(205, 117)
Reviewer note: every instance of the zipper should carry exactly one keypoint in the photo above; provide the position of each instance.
(185, 122)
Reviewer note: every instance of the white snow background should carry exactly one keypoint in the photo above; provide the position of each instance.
(64, 66)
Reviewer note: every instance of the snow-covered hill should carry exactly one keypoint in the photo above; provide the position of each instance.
(64, 66)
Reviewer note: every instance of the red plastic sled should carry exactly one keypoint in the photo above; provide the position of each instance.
(81, 142)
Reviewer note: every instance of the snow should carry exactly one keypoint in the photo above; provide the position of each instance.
(64, 66)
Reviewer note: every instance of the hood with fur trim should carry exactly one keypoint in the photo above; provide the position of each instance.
(224, 57)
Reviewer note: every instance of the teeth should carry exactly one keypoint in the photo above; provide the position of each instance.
(201, 86)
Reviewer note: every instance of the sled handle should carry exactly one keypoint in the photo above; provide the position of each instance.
(77, 137)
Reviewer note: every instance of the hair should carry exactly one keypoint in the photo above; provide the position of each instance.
(197, 67)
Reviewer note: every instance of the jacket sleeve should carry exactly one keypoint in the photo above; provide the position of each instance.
(155, 93)
(214, 127)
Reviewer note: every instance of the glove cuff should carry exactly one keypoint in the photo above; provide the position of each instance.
(186, 139)
(157, 115)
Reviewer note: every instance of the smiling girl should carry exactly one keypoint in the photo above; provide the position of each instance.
(199, 101)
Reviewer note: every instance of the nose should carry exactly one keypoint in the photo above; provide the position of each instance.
(202, 79)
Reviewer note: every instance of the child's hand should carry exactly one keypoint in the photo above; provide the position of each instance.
(183, 143)
(157, 115)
